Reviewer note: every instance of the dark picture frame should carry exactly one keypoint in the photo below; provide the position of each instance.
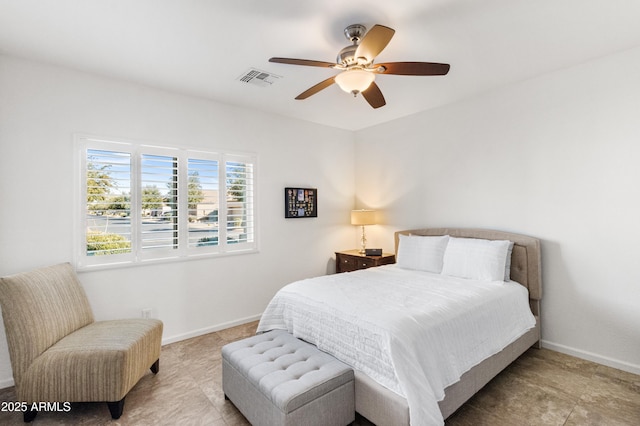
(300, 202)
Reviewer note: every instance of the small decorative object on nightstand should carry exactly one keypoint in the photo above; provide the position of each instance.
(352, 260)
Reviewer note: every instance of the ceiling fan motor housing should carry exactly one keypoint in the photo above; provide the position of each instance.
(354, 34)
(347, 56)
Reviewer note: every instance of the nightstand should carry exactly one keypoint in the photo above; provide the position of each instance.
(352, 260)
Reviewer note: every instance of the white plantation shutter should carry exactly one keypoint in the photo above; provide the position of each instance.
(108, 202)
(144, 203)
(204, 204)
(240, 220)
(158, 211)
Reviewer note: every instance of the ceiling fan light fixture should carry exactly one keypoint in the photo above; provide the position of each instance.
(355, 81)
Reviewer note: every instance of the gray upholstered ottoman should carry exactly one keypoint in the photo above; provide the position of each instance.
(276, 379)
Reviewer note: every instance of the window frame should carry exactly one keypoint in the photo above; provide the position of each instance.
(138, 255)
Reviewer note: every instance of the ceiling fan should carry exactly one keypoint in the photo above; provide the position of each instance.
(358, 71)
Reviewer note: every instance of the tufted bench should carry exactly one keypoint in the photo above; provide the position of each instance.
(276, 379)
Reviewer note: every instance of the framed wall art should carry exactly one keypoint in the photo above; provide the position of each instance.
(300, 202)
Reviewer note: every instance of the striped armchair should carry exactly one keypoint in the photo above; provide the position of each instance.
(59, 353)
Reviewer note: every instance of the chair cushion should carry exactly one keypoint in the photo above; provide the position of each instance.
(99, 362)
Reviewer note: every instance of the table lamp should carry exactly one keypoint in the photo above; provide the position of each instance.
(363, 218)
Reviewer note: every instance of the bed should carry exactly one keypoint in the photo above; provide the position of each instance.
(399, 381)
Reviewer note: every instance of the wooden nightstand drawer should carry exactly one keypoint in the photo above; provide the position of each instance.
(352, 260)
(365, 263)
(345, 263)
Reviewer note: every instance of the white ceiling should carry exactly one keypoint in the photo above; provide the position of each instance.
(201, 47)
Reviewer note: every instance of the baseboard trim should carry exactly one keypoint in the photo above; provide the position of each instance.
(590, 356)
(210, 329)
(6, 383)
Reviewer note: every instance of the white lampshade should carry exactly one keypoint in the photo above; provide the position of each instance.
(355, 81)
(363, 217)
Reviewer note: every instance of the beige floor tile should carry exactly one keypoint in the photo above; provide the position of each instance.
(468, 415)
(513, 396)
(239, 332)
(611, 396)
(586, 415)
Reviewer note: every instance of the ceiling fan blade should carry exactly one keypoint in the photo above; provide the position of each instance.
(413, 68)
(315, 89)
(373, 95)
(306, 62)
(374, 42)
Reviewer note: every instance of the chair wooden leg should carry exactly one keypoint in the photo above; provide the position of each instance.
(115, 408)
(29, 415)
(155, 367)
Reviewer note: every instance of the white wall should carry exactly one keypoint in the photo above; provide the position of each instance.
(556, 157)
(41, 107)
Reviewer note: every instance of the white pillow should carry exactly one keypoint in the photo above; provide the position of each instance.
(483, 260)
(422, 253)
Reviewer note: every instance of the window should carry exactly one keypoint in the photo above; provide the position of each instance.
(142, 203)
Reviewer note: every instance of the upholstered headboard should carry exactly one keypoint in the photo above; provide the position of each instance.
(525, 258)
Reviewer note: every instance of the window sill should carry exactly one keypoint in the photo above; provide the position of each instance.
(176, 259)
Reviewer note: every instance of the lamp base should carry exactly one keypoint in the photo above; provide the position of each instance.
(363, 242)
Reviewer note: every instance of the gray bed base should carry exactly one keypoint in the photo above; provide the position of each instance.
(384, 407)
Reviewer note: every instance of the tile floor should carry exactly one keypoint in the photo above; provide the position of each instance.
(541, 388)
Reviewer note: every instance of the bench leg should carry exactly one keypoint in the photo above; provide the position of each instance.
(115, 408)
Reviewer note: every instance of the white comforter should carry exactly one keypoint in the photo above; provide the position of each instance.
(413, 332)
